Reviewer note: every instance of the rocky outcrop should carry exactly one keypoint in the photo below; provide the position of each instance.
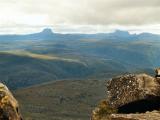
(130, 88)
(133, 97)
(9, 109)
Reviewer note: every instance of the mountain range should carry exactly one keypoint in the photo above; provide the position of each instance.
(32, 59)
(48, 34)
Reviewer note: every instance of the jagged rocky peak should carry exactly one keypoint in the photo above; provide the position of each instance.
(121, 33)
(47, 31)
(131, 97)
(9, 108)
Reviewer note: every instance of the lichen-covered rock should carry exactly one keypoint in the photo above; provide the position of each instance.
(129, 88)
(9, 109)
(134, 97)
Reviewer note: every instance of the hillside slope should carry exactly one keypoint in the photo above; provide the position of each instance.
(20, 71)
(23, 69)
(69, 100)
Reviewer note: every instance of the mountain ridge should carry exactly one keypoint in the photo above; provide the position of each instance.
(48, 34)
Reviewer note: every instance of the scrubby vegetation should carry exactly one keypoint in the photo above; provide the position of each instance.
(61, 100)
(103, 110)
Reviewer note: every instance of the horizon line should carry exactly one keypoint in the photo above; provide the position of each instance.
(87, 33)
(79, 29)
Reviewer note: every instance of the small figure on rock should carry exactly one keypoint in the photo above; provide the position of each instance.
(157, 73)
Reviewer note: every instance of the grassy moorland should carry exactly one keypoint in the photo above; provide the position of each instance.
(20, 69)
(61, 100)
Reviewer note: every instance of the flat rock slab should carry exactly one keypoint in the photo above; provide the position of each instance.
(155, 115)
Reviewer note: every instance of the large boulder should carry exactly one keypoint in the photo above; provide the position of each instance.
(9, 109)
(126, 89)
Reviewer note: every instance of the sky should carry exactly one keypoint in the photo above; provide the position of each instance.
(79, 16)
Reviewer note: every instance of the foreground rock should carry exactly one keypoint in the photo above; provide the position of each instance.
(130, 97)
(132, 88)
(9, 109)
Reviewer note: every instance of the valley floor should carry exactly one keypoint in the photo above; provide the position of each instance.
(67, 99)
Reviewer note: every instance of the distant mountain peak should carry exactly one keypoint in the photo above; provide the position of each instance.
(122, 32)
(47, 31)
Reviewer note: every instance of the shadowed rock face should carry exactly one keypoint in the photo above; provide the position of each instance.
(9, 109)
(141, 106)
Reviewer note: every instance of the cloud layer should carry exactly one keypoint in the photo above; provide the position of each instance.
(79, 12)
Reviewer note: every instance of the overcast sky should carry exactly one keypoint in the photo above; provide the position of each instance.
(20, 16)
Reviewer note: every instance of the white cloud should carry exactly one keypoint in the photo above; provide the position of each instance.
(71, 13)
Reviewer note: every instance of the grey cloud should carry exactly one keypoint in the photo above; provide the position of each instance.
(88, 12)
